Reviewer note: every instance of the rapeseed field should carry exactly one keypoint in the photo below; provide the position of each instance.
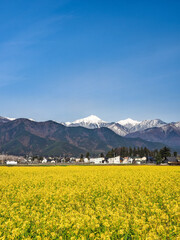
(90, 202)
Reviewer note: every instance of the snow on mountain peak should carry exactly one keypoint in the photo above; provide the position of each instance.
(153, 121)
(128, 121)
(10, 119)
(90, 119)
(145, 124)
(66, 123)
(122, 128)
(31, 119)
(177, 124)
(91, 122)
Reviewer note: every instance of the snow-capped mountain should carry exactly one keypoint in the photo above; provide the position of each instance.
(10, 119)
(129, 126)
(21, 136)
(150, 130)
(122, 127)
(91, 122)
(128, 123)
(6, 119)
(118, 129)
(147, 124)
(134, 125)
(166, 133)
(177, 124)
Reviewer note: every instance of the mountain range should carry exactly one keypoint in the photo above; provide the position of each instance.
(169, 134)
(122, 127)
(150, 130)
(24, 136)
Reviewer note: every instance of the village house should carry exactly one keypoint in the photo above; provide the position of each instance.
(114, 160)
(78, 160)
(150, 160)
(86, 160)
(170, 160)
(99, 160)
(139, 160)
(44, 160)
(19, 159)
(127, 160)
(72, 159)
(11, 162)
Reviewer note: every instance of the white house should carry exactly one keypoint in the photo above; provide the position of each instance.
(44, 160)
(72, 159)
(97, 160)
(11, 158)
(114, 160)
(86, 160)
(140, 160)
(127, 160)
(11, 163)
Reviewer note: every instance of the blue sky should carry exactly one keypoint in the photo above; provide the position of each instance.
(65, 60)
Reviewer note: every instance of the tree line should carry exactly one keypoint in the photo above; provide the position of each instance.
(141, 152)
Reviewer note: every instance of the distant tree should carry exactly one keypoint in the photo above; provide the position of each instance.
(87, 155)
(102, 155)
(113, 152)
(165, 152)
(146, 152)
(117, 151)
(175, 154)
(158, 158)
(81, 158)
(141, 154)
(110, 154)
(123, 152)
(126, 152)
(130, 152)
(155, 153)
(134, 152)
(138, 151)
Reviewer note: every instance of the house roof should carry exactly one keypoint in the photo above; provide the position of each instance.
(171, 159)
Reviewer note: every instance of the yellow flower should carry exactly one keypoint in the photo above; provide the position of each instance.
(95, 202)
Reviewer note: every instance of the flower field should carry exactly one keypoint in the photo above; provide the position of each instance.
(90, 202)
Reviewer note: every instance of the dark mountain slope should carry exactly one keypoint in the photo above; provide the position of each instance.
(23, 136)
(3, 120)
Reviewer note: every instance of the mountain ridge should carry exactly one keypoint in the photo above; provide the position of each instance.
(148, 130)
(122, 127)
(23, 136)
(168, 134)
